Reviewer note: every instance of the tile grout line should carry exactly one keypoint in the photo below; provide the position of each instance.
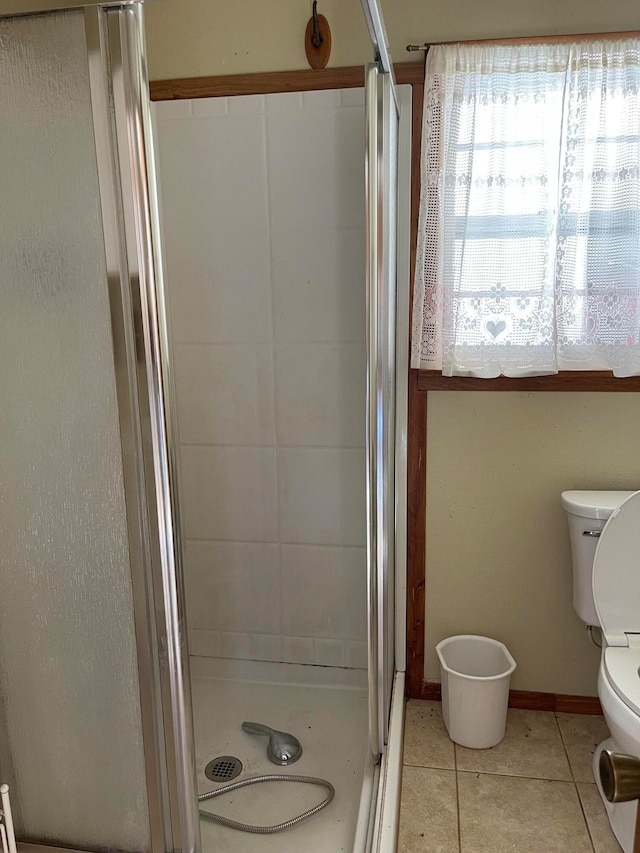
(584, 817)
(564, 746)
(272, 346)
(575, 784)
(516, 776)
(455, 768)
(217, 445)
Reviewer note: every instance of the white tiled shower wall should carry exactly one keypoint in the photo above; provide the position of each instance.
(263, 217)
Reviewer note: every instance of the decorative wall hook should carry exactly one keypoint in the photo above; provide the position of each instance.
(317, 39)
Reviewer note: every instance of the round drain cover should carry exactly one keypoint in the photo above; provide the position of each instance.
(223, 768)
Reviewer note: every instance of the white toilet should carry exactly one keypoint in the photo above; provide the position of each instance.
(604, 528)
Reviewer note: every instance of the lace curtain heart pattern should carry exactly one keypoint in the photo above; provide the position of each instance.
(528, 257)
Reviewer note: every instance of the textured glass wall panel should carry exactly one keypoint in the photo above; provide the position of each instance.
(70, 728)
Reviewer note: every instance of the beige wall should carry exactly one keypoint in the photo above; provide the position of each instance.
(190, 38)
(498, 557)
(498, 554)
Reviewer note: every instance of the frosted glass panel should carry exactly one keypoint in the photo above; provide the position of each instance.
(70, 723)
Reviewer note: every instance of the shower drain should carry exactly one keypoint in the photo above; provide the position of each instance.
(223, 768)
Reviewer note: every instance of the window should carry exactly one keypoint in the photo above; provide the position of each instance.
(528, 257)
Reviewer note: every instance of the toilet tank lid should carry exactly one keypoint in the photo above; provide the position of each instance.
(593, 504)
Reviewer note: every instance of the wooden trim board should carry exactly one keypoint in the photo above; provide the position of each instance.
(568, 380)
(416, 450)
(416, 534)
(273, 82)
(531, 701)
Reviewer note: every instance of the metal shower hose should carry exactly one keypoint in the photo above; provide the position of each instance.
(271, 777)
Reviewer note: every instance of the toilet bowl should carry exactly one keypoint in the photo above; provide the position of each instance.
(616, 595)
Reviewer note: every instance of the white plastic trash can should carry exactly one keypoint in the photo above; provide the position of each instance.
(475, 673)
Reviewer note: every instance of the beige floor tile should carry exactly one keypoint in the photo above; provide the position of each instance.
(428, 811)
(506, 814)
(426, 742)
(604, 841)
(581, 734)
(532, 746)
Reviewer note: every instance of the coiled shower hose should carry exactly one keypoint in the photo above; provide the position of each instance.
(271, 777)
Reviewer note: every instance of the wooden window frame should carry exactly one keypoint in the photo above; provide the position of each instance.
(566, 380)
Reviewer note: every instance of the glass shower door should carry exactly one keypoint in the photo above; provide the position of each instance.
(381, 182)
(94, 720)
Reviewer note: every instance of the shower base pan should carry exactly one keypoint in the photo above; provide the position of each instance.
(325, 708)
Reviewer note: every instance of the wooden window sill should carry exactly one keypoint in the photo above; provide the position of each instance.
(568, 380)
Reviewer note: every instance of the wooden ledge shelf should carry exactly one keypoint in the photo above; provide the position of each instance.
(569, 380)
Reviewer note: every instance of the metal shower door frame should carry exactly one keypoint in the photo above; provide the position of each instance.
(126, 163)
(13, 8)
(379, 39)
(382, 116)
(124, 147)
(128, 197)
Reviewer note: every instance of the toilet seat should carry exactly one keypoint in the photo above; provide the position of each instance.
(616, 593)
(616, 578)
(621, 667)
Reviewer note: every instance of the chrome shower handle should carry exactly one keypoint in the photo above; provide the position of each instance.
(257, 729)
(282, 748)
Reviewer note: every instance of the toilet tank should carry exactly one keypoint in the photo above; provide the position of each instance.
(587, 512)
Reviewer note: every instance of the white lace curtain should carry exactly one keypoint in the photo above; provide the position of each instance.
(528, 257)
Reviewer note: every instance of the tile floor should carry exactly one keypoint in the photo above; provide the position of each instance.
(532, 792)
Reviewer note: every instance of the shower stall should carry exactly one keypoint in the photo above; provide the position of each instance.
(202, 503)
